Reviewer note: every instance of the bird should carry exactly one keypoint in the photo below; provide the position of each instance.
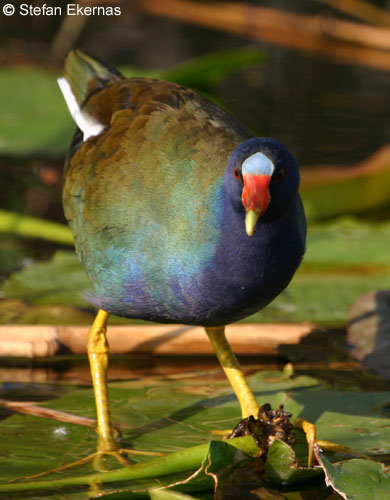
(180, 214)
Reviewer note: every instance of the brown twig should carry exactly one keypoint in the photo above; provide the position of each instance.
(30, 340)
(344, 41)
(30, 408)
(361, 9)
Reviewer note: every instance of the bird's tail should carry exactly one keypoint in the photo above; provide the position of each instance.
(84, 76)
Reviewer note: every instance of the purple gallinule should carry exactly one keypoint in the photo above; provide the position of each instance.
(179, 214)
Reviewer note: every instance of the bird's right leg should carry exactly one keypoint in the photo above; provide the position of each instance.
(97, 348)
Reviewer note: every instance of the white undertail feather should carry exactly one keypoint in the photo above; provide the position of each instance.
(86, 123)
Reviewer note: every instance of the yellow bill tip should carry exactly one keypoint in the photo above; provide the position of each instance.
(250, 222)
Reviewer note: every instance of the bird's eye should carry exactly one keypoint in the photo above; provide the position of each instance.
(236, 173)
(280, 174)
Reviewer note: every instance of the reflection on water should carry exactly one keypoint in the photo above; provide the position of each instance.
(319, 355)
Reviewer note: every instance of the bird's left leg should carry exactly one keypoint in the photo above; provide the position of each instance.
(245, 396)
(233, 371)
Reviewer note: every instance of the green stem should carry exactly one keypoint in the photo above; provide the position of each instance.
(180, 461)
(32, 227)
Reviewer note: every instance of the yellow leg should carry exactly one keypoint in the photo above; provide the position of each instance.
(233, 371)
(98, 360)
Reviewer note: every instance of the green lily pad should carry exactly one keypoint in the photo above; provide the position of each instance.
(34, 119)
(168, 495)
(357, 479)
(359, 195)
(61, 280)
(208, 464)
(33, 116)
(345, 259)
(346, 244)
(320, 298)
(357, 420)
(283, 466)
(207, 71)
(174, 417)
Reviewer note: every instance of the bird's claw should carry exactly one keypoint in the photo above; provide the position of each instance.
(96, 459)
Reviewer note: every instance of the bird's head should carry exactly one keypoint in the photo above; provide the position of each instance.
(263, 175)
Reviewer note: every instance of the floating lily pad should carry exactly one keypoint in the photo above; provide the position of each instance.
(358, 195)
(320, 298)
(283, 466)
(345, 259)
(357, 420)
(168, 495)
(346, 244)
(61, 280)
(29, 128)
(33, 117)
(357, 479)
(165, 416)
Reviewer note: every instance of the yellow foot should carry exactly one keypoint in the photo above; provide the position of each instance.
(313, 443)
(96, 459)
(311, 437)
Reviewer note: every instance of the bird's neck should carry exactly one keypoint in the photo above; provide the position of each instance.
(252, 260)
